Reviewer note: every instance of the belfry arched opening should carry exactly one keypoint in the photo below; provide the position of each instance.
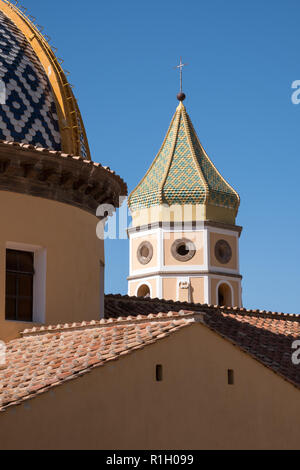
(224, 295)
(143, 291)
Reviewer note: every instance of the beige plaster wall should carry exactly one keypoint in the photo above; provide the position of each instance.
(121, 406)
(194, 294)
(195, 237)
(135, 243)
(73, 256)
(197, 290)
(169, 288)
(214, 238)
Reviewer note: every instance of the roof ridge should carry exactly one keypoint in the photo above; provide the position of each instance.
(186, 121)
(222, 309)
(103, 323)
(177, 120)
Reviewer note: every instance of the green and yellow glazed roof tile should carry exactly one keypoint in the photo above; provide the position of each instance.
(182, 172)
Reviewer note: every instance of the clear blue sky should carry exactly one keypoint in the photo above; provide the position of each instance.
(243, 57)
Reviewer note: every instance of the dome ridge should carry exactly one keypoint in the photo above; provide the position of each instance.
(173, 144)
(182, 108)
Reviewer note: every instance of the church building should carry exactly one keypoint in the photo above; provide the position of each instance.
(178, 363)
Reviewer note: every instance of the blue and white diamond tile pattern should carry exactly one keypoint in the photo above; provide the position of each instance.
(29, 114)
(82, 140)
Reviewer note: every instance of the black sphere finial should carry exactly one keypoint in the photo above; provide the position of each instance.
(181, 96)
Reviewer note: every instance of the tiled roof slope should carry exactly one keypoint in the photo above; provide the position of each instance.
(266, 336)
(49, 356)
(182, 173)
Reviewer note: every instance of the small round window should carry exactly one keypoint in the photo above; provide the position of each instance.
(223, 251)
(145, 253)
(183, 249)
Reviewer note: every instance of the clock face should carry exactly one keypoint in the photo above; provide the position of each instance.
(223, 251)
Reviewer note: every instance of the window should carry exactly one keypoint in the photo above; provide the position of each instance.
(223, 252)
(183, 250)
(19, 285)
(145, 253)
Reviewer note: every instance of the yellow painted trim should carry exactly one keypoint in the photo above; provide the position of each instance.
(175, 213)
(67, 107)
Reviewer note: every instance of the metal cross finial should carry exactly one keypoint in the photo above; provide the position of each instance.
(180, 67)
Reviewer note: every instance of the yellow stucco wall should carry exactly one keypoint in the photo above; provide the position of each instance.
(214, 238)
(179, 213)
(195, 237)
(220, 214)
(165, 213)
(121, 406)
(73, 256)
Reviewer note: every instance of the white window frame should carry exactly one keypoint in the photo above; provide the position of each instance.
(102, 289)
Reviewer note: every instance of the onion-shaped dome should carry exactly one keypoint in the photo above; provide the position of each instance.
(182, 173)
(37, 105)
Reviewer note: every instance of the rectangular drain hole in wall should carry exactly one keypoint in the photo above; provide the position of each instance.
(230, 377)
(159, 373)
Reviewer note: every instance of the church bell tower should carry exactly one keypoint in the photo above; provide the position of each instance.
(184, 241)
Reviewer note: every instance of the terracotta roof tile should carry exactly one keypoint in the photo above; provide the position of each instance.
(48, 356)
(266, 336)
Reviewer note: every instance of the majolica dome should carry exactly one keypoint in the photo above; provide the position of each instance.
(44, 151)
(182, 173)
(37, 105)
